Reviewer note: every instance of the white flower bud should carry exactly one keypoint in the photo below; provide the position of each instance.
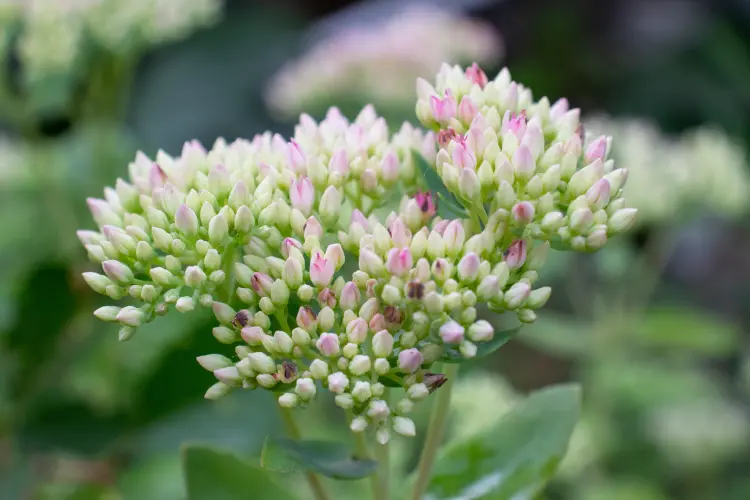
(481, 331)
(344, 401)
(229, 375)
(404, 426)
(218, 390)
(117, 271)
(378, 410)
(305, 388)
(417, 392)
(360, 365)
(130, 316)
(382, 366)
(218, 230)
(359, 424)
(185, 304)
(261, 362)
(337, 382)
(107, 313)
(319, 369)
(361, 391)
(288, 400)
(622, 220)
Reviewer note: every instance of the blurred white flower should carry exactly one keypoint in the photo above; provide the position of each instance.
(702, 432)
(667, 176)
(380, 64)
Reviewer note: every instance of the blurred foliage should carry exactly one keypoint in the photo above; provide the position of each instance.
(666, 380)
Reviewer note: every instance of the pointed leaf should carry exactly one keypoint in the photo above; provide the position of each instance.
(515, 459)
(211, 474)
(447, 205)
(328, 458)
(485, 348)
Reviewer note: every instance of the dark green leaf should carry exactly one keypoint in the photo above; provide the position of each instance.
(515, 459)
(447, 205)
(485, 348)
(389, 382)
(328, 458)
(212, 474)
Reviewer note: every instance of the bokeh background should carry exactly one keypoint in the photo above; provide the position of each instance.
(655, 327)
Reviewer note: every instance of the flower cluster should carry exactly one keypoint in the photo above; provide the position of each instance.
(322, 277)
(54, 34)
(702, 168)
(380, 61)
(525, 161)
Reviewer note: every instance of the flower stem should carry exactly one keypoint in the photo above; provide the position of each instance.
(381, 487)
(319, 492)
(435, 432)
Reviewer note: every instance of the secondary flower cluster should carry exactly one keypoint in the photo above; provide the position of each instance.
(378, 62)
(327, 281)
(702, 168)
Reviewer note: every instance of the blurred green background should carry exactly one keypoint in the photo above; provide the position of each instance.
(655, 327)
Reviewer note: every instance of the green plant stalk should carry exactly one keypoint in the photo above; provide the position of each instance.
(381, 487)
(435, 432)
(319, 492)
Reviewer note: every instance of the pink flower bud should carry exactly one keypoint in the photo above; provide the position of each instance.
(156, 176)
(443, 109)
(597, 150)
(454, 236)
(312, 228)
(102, 212)
(515, 123)
(261, 283)
(409, 360)
(523, 163)
(517, 295)
(350, 296)
(287, 244)
(377, 322)
(400, 233)
(337, 382)
(253, 335)
(306, 318)
(463, 157)
(558, 109)
(515, 256)
(389, 167)
(335, 255)
(475, 75)
(359, 218)
(452, 333)
(295, 156)
(117, 271)
(439, 228)
(339, 163)
(321, 269)
(468, 267)
(328, 344)
(523, 212)
(186, 221)
(326, 298)
(356, 330)
(467, 109)
(302, 195)
(399, 261)
(598, 194)
(426, 204)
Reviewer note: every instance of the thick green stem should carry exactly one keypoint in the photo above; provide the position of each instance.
(435, 432)
(381, 487)
(319, 492)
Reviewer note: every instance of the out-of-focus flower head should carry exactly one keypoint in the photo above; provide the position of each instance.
(379, 63)
(479, 401)
(702, 169)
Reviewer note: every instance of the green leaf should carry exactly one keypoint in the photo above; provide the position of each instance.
(447, 205)
(559, 335)
(328, 458)
(212, 474)
(696, 331)
(515, 459)
(485, 348)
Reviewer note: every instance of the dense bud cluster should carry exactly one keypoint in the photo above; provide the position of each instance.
(321, 277)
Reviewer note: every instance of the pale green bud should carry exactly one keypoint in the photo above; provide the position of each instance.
(361, 391)
(419, 244)
(218, 230)
(539, 297)
(117, 271)
(130, 316)
(319, 369)
(526, 316)
(157, 218)
(284, 342)
(266, 380)
(301, 337)
(350, 350)
(622, 220)
(326, 319)
(404, 406)
(97, 282)
(223, 312)
(161, 276)
(280, 292)
(382, 366)
(218, 390)
(305, 293)
(293, 273)
(433, 302)
(468, 184)
(506, 196)
(467, 349)
(368, 309)
(404, 426)
(244, 220)
(345, 401)
(173, 264)
(391, 295)
(261, 362)
(359, 424)
(552, 221)
(417, 392)
(107, 313)
(581, 220)
(212, 260)
(330, 206)
(185, 304)
(213, 362)
(266, 305)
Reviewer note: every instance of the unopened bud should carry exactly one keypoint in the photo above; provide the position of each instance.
(409, 360)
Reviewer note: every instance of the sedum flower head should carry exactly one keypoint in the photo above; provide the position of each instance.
(320, 278)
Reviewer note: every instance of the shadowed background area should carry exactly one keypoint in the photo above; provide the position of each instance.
(655, 326)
